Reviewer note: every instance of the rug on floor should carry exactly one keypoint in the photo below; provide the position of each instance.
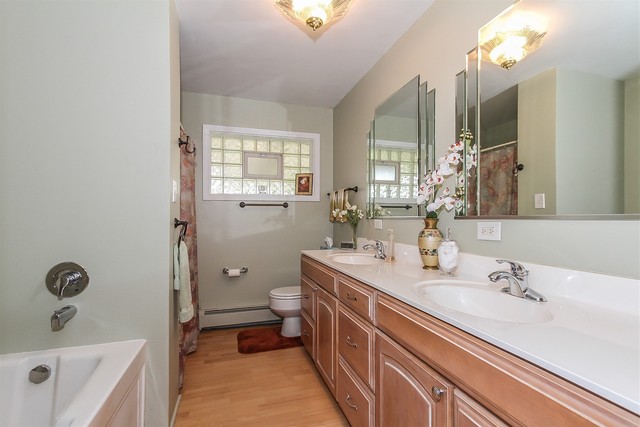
(264, 339)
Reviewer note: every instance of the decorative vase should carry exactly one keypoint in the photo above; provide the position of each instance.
(354, 237)
(428, 241)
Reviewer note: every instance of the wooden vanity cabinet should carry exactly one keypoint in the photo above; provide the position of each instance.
(389, 364)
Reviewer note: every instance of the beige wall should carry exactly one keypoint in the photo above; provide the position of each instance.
(267, 240)
(435, 48)
(86, 128)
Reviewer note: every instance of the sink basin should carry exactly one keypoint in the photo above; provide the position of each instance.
(354, 259)
(481, 300)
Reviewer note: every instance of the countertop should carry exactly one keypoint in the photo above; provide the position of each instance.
(593, 339)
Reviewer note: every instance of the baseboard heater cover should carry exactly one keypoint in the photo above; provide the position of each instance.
(235, 316)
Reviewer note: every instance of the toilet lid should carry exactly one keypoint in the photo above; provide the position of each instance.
(287, 292)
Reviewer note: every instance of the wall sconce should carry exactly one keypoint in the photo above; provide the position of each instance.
(511, 37)
(313, 13)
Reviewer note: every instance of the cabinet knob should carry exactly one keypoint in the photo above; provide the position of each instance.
(352, 344)
(306, 296)
(351, 405)
(437, 393)
(351, 297)
(305, 333)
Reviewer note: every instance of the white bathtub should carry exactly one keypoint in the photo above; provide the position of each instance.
(94, 385)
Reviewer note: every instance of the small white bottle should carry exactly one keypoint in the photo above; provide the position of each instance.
(448, 255)
(391, 250)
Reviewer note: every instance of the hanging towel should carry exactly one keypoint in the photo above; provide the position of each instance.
(182, 281)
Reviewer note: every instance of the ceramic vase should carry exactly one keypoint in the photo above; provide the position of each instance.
(428, 241)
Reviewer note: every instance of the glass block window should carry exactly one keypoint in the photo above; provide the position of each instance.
(396, 175)
(257, 164)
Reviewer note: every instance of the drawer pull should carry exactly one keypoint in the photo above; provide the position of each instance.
(305, 333)
(437, 393)
(351, 405)
(352, 344)
(351, 297)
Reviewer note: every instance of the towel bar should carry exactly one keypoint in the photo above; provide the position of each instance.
(284, 205)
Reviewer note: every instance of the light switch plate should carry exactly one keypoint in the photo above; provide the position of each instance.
(538, 201)
(489, 230)
(377, 224)
(174, 191)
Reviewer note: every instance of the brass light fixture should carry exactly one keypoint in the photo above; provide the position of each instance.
(511, 38)
(313, 13)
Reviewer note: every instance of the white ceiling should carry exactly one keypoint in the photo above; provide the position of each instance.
(248, 49)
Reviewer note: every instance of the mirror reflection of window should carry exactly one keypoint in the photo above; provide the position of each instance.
(386, 172)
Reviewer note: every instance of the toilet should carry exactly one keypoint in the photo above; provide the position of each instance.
(285, 302)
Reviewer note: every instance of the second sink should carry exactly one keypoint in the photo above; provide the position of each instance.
(481, 300)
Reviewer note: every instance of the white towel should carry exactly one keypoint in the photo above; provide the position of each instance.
(182, 281)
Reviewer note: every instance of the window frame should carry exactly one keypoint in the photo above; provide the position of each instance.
(314, 167)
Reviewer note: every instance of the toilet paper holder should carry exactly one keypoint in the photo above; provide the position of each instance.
(242, 270)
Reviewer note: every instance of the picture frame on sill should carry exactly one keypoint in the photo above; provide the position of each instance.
(304, 184)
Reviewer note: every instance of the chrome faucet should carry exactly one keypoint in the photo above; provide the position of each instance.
(518, 279)
(60, 317)
(379, 247)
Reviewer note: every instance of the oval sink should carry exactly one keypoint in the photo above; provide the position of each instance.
(354, 259)
(480, 300)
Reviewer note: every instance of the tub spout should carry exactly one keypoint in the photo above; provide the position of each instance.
(60, 317)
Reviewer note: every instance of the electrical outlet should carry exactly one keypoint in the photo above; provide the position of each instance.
(377, 224)
(538, 201)
(489, 231)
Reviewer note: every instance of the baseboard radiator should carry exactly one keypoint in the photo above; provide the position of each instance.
(237, 316)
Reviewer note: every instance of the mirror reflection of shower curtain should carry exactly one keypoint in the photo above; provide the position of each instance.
(499, 185)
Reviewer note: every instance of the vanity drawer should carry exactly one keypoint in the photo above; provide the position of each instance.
(356, 296)
(307, 335)
(308, 297)
(356, 346)
(319, 274)
(355, 399)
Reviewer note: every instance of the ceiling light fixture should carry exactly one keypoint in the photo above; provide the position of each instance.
(313, 13)
(510, 39)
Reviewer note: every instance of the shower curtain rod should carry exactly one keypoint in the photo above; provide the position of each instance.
(495, 147)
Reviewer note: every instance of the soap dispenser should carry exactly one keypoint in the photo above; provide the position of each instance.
(448, 255)
(391, 250)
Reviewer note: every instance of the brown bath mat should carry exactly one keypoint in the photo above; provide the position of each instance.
(264, 339)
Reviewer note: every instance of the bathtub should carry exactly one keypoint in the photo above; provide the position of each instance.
(94, 385)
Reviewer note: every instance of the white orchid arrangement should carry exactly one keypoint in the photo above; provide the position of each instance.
(351, 214)
(447, 166)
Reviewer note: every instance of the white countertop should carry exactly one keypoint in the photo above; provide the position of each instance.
(593, 339)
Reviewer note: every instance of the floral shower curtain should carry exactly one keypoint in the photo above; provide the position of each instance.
(499, 190)
(190, 330)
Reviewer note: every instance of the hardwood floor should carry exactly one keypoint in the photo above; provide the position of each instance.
(276, 388)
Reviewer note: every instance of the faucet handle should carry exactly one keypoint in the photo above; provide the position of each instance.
(517, 269)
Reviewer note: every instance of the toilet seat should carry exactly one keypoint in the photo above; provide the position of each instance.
(285, 293)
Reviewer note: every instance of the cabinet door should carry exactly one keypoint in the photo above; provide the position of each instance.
(408, 392)
(326, 348)
(469, 413)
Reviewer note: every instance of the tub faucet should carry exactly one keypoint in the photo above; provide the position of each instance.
(60, 317)
(518, 279)
(379, 247)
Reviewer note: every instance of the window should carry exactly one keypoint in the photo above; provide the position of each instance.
(258, 164)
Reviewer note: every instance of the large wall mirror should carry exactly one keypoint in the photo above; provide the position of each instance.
(558, 133)
(400, 140)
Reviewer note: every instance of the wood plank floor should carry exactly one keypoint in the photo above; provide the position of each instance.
(276, 388)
